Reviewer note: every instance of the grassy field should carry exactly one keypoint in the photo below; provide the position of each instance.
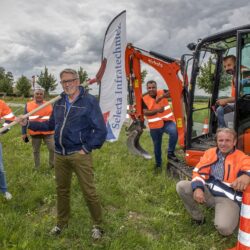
(141, 210)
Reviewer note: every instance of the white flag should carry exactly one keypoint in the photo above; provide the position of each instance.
(113, 88)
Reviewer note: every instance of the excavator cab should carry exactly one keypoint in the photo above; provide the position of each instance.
(208, 83)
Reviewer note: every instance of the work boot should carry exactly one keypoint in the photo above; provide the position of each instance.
(173, 157)
(157, 169)
(199, 222)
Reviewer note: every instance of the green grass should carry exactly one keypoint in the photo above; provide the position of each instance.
(141, 210)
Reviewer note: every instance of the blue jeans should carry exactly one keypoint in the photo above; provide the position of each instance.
(156, 135)
(221, 111)
(3, 185)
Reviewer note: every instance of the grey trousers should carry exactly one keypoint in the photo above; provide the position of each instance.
(227, 212)
(36, 145)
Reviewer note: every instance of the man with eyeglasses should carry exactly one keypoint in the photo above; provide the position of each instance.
(79, 128)
(38, 136)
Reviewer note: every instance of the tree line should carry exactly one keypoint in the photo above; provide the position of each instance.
(24, 86)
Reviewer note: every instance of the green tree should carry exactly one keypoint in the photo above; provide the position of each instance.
(23, 86)
(47, 81)
(143, 75)
(205, 79)
(83, 75)
(6, 81)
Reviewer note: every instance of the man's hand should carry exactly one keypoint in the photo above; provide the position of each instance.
(199, 195)
(25, 138)
(222, 102)
(159, 98)
(21, 120)
(241, 183)
(81, 152)
(160, 110)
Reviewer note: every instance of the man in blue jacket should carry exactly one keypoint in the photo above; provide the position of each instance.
(79, 128)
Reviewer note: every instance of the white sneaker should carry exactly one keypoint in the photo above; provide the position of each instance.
(55, 230)
(97, 233)
(7, 196)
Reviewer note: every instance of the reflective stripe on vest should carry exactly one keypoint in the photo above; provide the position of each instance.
(33, 117)
(160, 118)
(9, 116)
(218, 188)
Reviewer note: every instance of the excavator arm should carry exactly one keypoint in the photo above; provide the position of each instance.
(169, 69)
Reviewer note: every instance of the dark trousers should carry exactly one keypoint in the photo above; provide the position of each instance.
(156, 135)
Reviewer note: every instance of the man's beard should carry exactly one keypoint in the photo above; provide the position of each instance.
(230, 72)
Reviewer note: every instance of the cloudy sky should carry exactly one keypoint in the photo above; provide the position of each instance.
(63, 33)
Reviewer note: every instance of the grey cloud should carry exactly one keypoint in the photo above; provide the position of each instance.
(63, 33)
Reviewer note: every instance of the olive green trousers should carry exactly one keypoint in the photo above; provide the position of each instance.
(81, 165)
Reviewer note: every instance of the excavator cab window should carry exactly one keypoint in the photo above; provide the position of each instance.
(203, 93)
(225, 88)
(243, 91)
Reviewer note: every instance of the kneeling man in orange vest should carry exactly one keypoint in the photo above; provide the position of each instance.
(218, 181)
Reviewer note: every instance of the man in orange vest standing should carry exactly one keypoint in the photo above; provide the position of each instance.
(160, 120)
(6, 115)
(38, 136)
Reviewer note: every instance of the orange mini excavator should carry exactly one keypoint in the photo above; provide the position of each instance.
(191, 106)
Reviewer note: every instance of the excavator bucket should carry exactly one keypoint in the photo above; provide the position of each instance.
(134, 133)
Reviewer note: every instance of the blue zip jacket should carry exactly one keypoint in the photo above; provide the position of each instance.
(81, 127)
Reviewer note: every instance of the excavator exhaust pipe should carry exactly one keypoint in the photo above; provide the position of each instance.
(134, 133)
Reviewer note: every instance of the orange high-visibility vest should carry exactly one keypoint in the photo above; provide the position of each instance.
(6, 113)
(157, 120)
(233, 88)
(40, 116)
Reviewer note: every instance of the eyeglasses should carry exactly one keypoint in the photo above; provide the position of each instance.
(68, 81)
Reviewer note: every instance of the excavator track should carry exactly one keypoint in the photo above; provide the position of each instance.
(179, 170)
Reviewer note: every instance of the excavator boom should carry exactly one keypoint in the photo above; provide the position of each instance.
(169, 69)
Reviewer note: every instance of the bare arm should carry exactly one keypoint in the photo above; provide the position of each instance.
(225, 101)
(153, 112)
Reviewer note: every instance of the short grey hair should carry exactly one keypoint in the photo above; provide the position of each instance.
(70, 71)
(226, 130)
(36, 89)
